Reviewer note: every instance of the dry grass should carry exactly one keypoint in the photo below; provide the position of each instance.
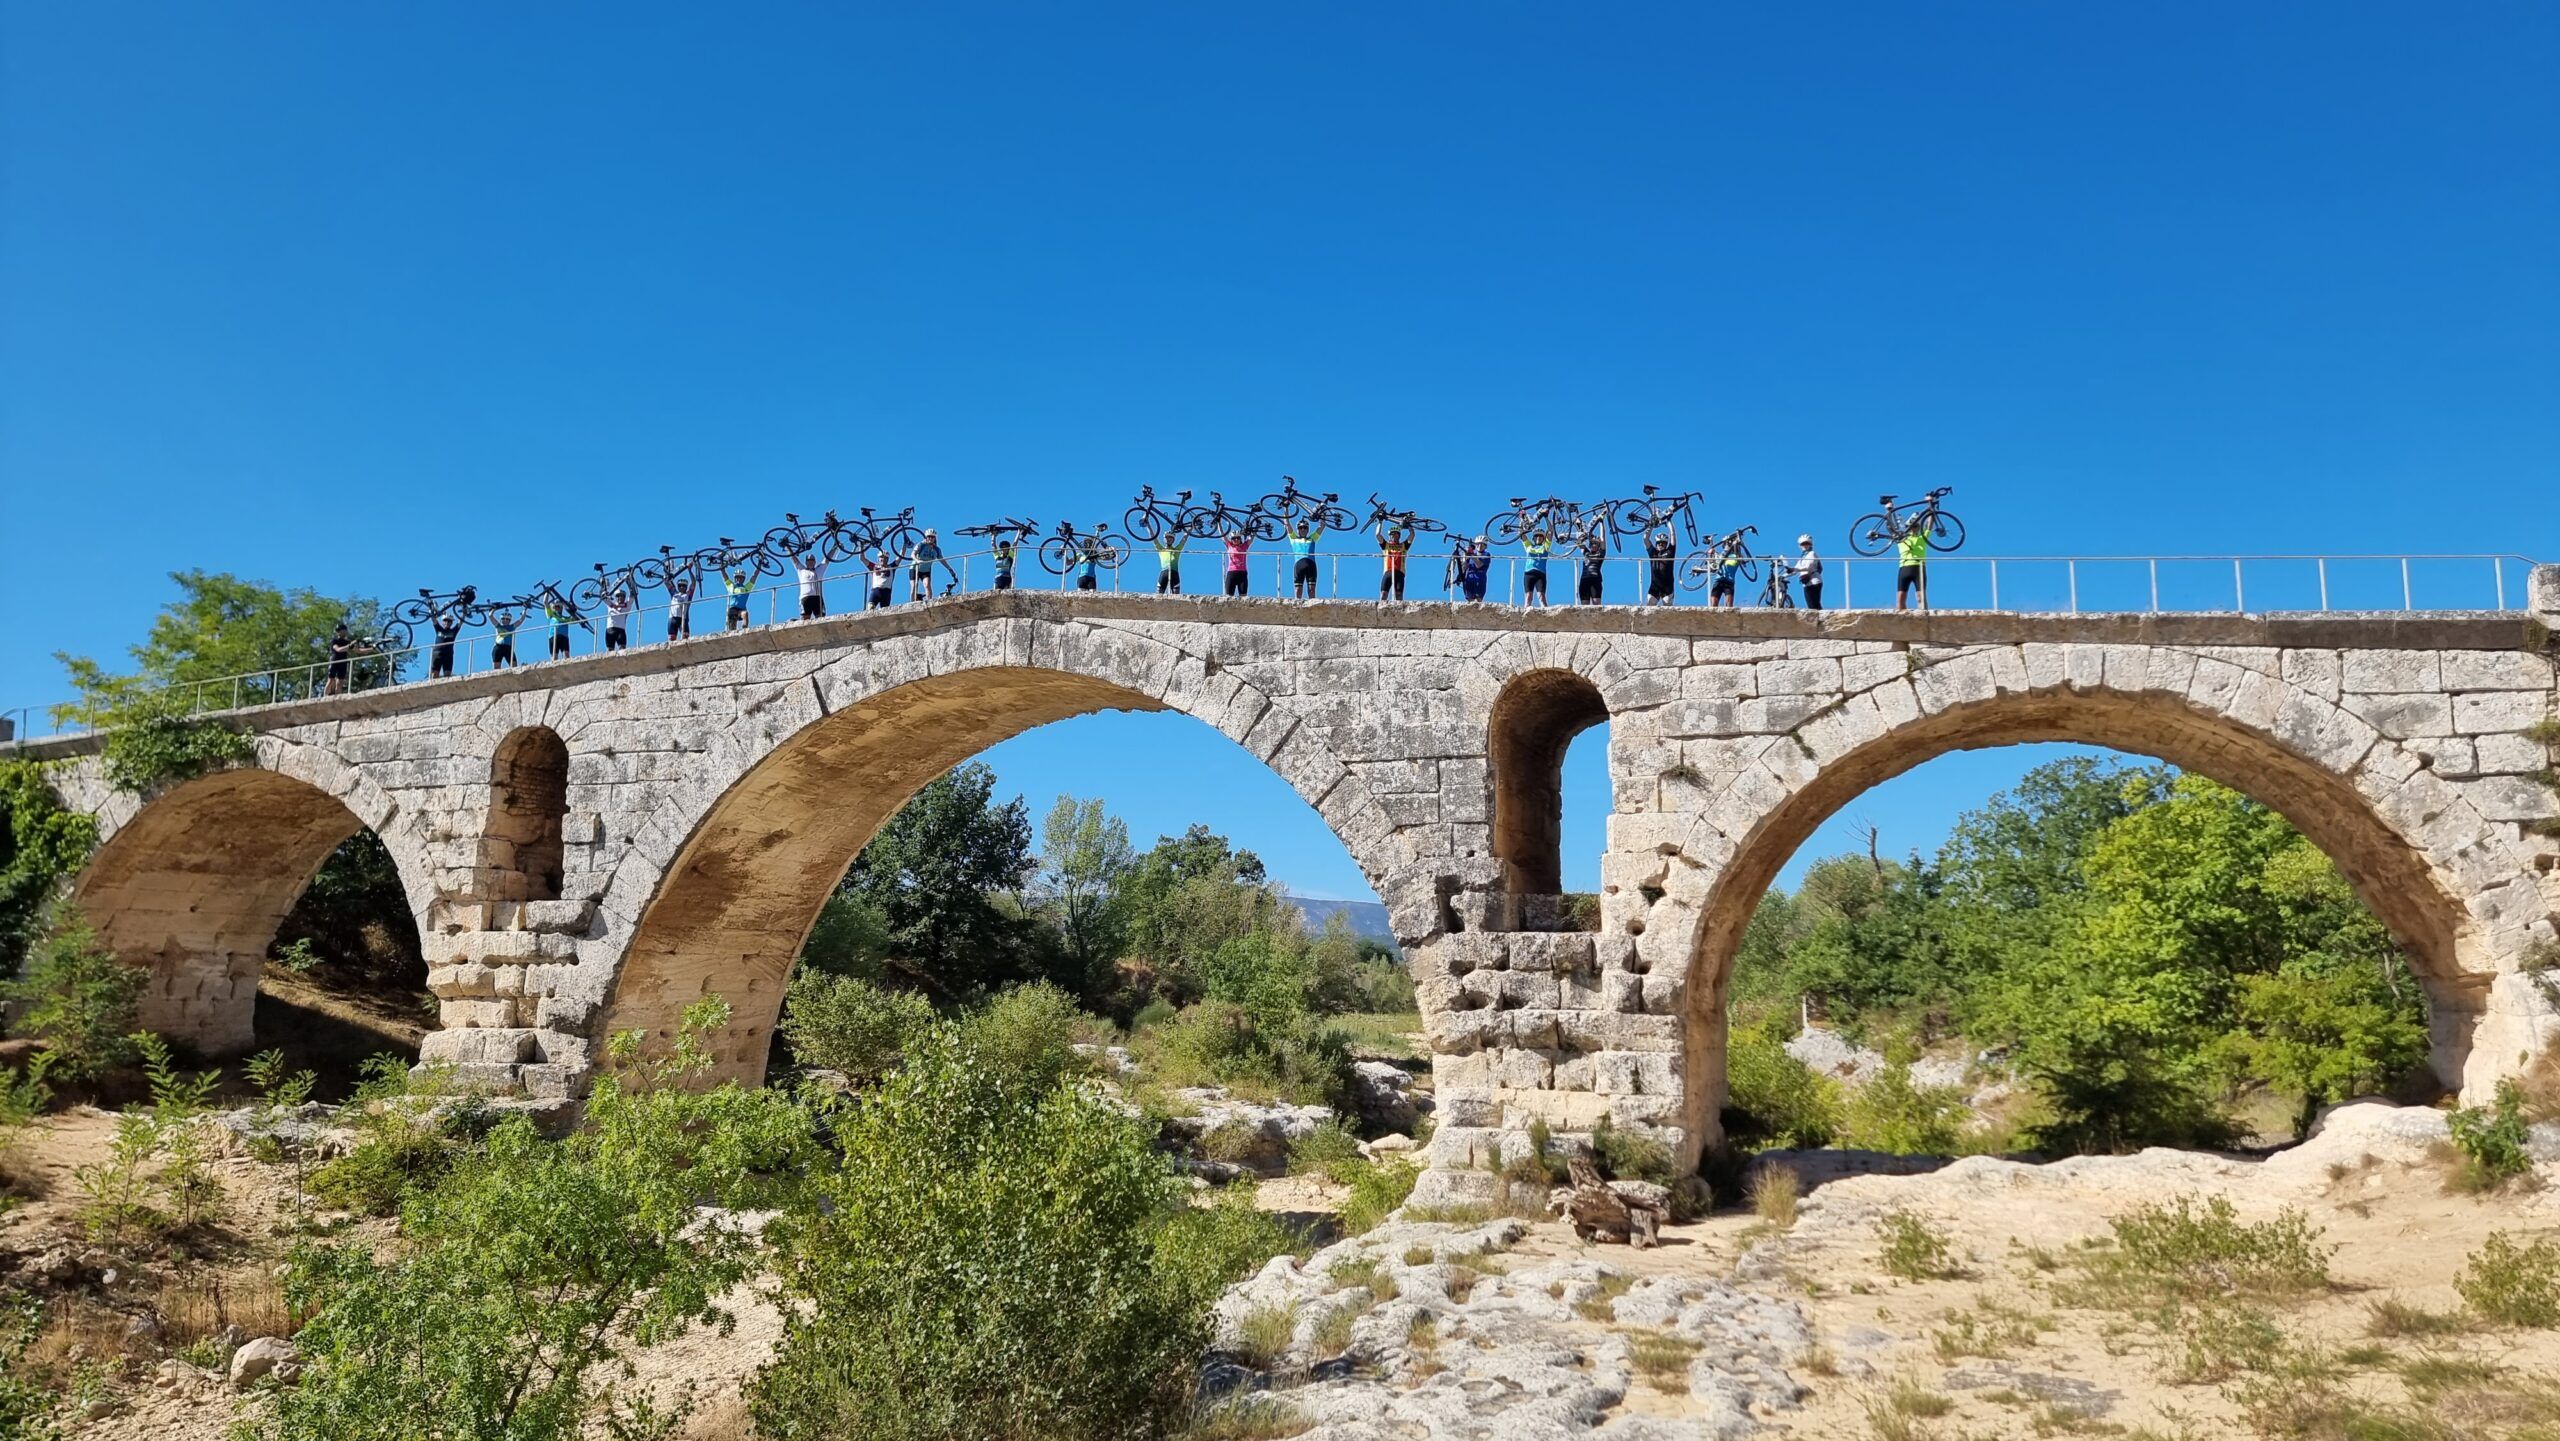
(1604, 1307)
(1263, 1334)
(1662, 1359)
(1774, 1193)
(2397, 1318)
(250, 1301)
(1247, 1418)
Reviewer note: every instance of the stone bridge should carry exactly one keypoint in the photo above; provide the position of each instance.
(591, 844)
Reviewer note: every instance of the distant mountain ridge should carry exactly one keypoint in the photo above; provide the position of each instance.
(1366, 918)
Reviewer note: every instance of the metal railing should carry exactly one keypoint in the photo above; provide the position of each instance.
(2013, 584)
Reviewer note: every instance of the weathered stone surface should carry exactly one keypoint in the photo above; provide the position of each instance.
(593, 845)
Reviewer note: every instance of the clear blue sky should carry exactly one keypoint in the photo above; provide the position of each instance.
(369, 297)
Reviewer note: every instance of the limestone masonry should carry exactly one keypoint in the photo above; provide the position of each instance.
(592, 844)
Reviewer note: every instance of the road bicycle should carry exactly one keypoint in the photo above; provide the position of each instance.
(1152, 520)
(1642, 515)
(1067, 549)
(1562, 520)
(432, 610)
(1883, 530)
(1414, 524)
(1016, 531)
(1290, 505)
(1701, 567)
(1215, 518)
(591, 591)
(731, 556)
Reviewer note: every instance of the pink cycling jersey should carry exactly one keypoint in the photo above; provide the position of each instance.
(1237, 547)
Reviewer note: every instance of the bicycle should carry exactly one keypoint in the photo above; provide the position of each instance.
(1413, 523)
(1559, 518)
(832, 538)
(1018, 530)
(434, 611)
(1290, 505)
(1214, 519)
(1066, 549)
(1701, 566)
(1152, 520)
(1653, 510)
(591, 591)
(1883, 530)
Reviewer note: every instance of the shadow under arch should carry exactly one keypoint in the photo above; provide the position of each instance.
(1532, 723)
(521, 846)
(730, 913)
(2390, 874)
(195, 883)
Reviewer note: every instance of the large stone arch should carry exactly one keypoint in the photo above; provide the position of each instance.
(802, 787)
(193, 880)
(2455, 888)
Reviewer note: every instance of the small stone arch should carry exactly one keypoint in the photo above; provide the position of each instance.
(521, 850)
(1534, 719)
(194, 880)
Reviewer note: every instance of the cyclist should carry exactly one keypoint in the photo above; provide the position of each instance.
(1088, 561)
(1394, 547)
(1533, 578)
(342, 650)
(1474, 562)
(810, 569)
(502, 644)
(1239, 555)
(1728, 570)
(448, 624)
(1660, 553)
(1808, 572)
(1005, 545)
(1302, 562)
(1595, 558)
(1914, 575)
(680, 605)
(1169, 562)
(921, 560)
(559, 614)
(877, 573)
(617, 616)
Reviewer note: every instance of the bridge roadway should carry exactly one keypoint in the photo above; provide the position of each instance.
(591, 844)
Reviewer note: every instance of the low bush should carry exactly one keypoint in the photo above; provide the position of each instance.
(1028, 1031)
(1217, 1043)
(2491, 1141)
(1890, 1113)
(2513, 1284)
(1377, 1189)
(847, 1024)
(80, 1000)
(1771, 1098)
(151, 743)
(1329, 1150)
(1206, 1248)
(26, 1398)
(157, 1176)
(2185, 1250)
(1627, 1156)
(1914, 1250)
(534, 1265)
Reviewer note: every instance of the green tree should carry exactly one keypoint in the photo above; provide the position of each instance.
(222, 626)
(932, 877)
(2322, 1037)
(79, 999)
(1189, 895)
(1084, 858)
(42, 844)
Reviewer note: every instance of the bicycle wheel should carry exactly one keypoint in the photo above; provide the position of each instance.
(1630, 517)
(1697, 570)
(1110, 554)
(1507, 528)
(1946, 533)
(1336, 517)
(1750, 567)
(1056, 555)
(1871, 535)
(587, 594)
(1266, 527)
(1143, 523)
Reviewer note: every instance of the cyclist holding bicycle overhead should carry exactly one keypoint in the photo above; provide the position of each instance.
(876, 575)
(921, 559)
(1660, 552)
(1728, 569)
(1914, 575)
(503, 623)
(1239, 556)
(1474, 561)
(1089, 560)
(809, 567)
(1394, 547)
(1169, 562)
(1004, 546)
(1533, 577)
(737, 585)
(1302, 565)
(1595, 558)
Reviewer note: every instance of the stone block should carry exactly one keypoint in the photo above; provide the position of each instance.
(2391, 671)
(2488, 711)
(2496, 670)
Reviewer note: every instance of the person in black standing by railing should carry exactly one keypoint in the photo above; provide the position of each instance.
(1808, 569)
(502, 631)
(447, 624)
(1589, 585)
(342, 650)
(1660, 553)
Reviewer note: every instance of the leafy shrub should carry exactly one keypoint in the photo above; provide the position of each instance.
(42, 842)
(1377, 1189)
(149, 745)
(844, 1023)
(80, 1000)
(409, 1131)
(1771, 1098)
(1206, 1248)
(2511, 1284)
(1028, 1031)
(1628, 1156)
(1889, 1113)
(533, 1265)
(1154, 1013)
(987, 1247)
(1223, 1044)
(1329, 1150)
(1914, 1250)
(26, 1399)
(2492, 1141)
(2184, 1251)
(157, 1176)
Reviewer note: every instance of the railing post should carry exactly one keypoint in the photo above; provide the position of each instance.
(2155, 585)
(2498, 571)
(1995, 582)
(2323, 563)
(2404, 584)
(2239, 591)
(2072, 568)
